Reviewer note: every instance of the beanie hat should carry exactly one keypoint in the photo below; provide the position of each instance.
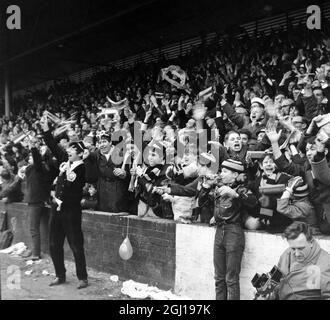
(233, 165)
(301, 191)
(260, 101)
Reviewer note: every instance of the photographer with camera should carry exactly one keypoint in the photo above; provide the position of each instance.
(305, 268)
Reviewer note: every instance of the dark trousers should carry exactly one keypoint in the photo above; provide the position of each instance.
(229, 245)
(35, 211)
(67, 223)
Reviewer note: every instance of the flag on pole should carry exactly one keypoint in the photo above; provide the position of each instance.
(178, 76)
(154, 101)
(52, 117)
(21, 136)
(63, 128)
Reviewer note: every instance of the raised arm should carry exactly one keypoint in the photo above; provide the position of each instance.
(58, 152)
(37, 160)
(320, 166)
(232, 114)
(190, 190)
(280, 160)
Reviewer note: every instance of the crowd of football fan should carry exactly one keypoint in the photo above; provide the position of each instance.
(260, 136)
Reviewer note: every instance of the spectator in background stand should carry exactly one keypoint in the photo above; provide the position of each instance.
(112, 180)
(10, 187)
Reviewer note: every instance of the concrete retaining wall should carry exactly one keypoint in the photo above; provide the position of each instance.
(165, 254)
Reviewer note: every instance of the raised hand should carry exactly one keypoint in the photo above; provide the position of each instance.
(287, 75)
(44, 123)
(321, 139)
(139, 171)
(167, 197)
(294, 182)
(272, 135)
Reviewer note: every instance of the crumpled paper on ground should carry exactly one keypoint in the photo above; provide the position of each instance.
(138, 290)
(114, 278)
(17, 248)
(45, 272)
(29, 262)
(28, 272)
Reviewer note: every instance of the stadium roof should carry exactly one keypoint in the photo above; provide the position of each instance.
(59, 37)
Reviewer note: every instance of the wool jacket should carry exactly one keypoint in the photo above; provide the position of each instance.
(298, 209)
(154, 176)
(309, 280)
(321, 172)
(319, 192)
(69, 185)
(37, 180)
(11, 190)
(112, 190)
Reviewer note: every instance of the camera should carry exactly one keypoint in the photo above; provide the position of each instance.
(266, 282)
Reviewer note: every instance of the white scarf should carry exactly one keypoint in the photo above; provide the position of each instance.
(68, 169)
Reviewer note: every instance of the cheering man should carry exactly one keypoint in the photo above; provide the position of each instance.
(65, 220)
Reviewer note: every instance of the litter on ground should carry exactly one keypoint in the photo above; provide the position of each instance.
(138, 290)
(45, 273)
(114, 278)
(17, 248)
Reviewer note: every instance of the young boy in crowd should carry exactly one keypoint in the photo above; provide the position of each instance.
(183, 173)
(265, 186)
(206, 173)
(296, 205)
(231, 201)
(235, 148)
(89, 200)
(149, 176)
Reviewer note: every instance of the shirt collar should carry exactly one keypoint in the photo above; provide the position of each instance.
(109, 153)
(75, 164)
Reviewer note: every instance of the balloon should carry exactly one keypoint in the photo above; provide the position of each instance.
(126, 250)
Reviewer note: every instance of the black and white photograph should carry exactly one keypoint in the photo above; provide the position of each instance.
(164, 154)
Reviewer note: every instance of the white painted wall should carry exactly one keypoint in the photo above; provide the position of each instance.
(194, 259)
